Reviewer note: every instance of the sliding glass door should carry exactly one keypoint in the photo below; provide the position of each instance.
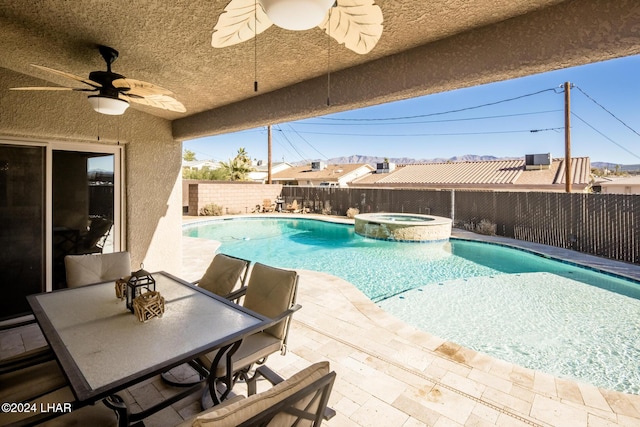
(56, 199)
(22, 226)
(83, 206)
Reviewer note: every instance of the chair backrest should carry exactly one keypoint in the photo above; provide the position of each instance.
(299, 400)
(87, 269)
(97, 234)
(270, 292)
(223, 274)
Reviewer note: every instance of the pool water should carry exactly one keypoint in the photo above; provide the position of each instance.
(529, 310)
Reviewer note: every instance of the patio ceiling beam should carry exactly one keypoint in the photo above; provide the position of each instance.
(569, 34)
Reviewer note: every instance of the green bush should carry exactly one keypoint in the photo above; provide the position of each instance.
(211, 210)
(486, 227)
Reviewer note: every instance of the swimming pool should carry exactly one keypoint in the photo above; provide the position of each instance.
(519, 307)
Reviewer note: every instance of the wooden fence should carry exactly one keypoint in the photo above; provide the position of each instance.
(606, 225)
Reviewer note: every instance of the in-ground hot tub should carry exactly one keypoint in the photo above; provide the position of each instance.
(403, 227)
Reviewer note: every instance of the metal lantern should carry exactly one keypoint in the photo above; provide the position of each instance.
(138, 281)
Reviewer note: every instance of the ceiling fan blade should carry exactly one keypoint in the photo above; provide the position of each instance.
(140, 88)
(159, 101)
(69, 76)
(43, 88)
(240, 21)
(356, 23)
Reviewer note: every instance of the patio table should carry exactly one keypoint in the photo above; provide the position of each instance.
(103, 348)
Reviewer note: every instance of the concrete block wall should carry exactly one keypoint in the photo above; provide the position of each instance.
(233, 197)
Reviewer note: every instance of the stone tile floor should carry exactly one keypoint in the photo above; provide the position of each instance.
(390, 374)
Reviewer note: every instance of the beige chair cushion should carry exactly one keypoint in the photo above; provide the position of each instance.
(233, 414)
(223, 274)
(270, 292)
(36, 380)
(254, 347)
(87, 269)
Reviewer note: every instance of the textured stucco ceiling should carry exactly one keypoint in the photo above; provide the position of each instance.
(168, 44)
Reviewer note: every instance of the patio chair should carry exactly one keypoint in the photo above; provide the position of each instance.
(223, 274)
(272, 293)
(43, 385)
(93, 241)
(95, 268)
(267, 206)
(293, 207)
(299, 400)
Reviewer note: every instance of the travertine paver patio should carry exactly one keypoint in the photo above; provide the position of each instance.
(390, 374)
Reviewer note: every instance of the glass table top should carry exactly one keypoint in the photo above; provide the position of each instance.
(100, 343)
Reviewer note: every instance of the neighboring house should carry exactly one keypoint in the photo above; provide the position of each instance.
(318, 174)
(200, 164)
(630, 185)
(496, 175)
(261, 170)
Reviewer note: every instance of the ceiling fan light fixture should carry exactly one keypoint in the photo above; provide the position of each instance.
(296, 15)
(108, 105)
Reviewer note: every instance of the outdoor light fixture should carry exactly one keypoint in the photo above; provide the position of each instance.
(108, 105)
(296, 14)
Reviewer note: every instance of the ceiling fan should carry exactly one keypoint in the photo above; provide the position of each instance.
(356, 23)
(115, 90)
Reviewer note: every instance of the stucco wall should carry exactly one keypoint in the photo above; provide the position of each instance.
(152, 156)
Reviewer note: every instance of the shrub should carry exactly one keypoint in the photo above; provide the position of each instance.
(352, 212)
(211, 210)
(486, 227)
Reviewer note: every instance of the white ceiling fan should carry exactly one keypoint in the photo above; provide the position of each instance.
(355, 23)
(114, 91)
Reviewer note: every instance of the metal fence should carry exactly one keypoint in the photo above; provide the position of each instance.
(606, 225)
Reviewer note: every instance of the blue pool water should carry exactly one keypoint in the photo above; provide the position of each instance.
(526, 309)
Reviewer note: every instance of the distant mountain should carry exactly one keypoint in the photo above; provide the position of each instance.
(372, 160)
(612, 166)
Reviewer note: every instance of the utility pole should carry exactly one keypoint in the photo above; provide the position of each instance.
(567, 136)
(269, 154)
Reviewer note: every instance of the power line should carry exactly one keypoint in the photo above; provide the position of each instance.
(308, 143)
(434, 134)
(603, 135)
(445, 112)
(302, 157)
(432, 121)
(610, 113)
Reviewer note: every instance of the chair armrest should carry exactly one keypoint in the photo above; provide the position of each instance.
(236, 295)
(24, 360)
(283, 315)
(17, 322)
(269, 375)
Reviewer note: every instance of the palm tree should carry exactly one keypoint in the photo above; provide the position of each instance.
(238, 168)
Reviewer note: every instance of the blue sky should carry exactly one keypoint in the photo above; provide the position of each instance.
(605, 124)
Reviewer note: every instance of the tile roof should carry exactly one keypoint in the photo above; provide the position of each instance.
(330, 173)
(492, 174)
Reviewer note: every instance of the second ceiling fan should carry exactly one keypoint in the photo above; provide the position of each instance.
(355, 23)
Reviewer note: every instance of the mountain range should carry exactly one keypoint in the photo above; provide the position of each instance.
(372, 160)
